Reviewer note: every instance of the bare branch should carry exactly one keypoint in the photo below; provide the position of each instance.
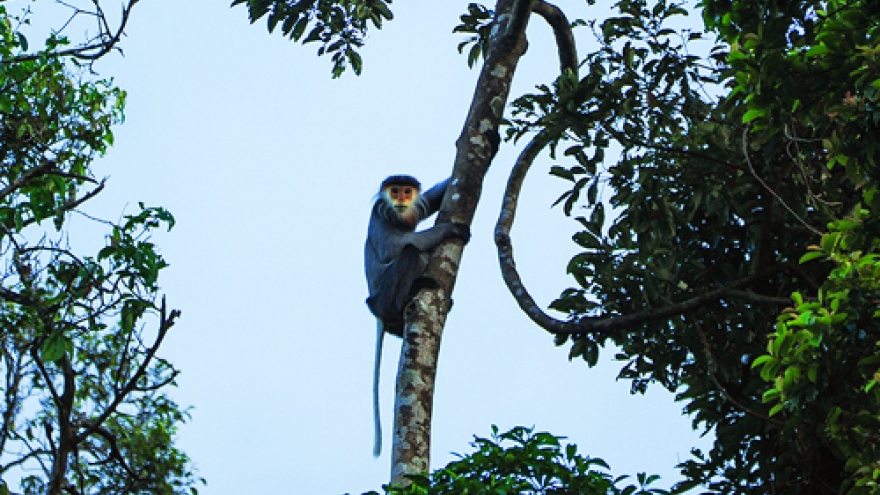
(750, 296)
(105, 41)
(745, 149)
(710, 357)
(623, 138)
(158, 385)
(66, 445)
(33, 453)
(35, 354)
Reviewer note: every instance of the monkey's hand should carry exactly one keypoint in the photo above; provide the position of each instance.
(458, 231)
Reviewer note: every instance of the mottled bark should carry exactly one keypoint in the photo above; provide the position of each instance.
(475, 149)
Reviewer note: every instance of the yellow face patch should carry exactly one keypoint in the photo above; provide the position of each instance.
(401, 196)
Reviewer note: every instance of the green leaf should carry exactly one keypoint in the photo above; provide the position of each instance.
(383, 9)
(591, 353)
(829, 241)
(818, 50)
(598, 215)
(54, 347)
(587, 240)
(813, 372)
(753, 114)
(562, 172)
(811, 256)
(299, 28)
(474, 55)
(770, 395)
(356, 62)
(761, 360)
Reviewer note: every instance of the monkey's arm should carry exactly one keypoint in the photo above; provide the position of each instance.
(430, 238)
(434, 197)
(393, 240)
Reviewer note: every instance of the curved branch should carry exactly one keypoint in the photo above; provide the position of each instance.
(587, 324)
(502, 234)
(562, 30)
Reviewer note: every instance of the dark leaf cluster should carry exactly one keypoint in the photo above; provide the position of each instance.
(338, 26)
(478, 23)
(525, 462)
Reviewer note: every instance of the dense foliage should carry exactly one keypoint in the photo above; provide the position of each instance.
(730, 168)
(527, 463)
(83, 407)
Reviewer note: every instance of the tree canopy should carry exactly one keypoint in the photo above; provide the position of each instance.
(736, 174)
(84, 407)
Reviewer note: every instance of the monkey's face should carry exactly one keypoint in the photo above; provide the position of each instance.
(402, 198)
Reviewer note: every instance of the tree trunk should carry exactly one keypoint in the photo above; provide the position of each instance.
(475, 149)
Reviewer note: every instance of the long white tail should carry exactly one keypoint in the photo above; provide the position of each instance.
(377, 438)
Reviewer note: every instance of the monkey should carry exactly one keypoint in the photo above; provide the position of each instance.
(396, 257)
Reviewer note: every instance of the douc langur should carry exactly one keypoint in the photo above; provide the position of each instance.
(396, 257)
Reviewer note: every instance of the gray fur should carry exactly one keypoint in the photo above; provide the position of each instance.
(395, 259)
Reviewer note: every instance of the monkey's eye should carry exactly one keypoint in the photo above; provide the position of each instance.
(407, 191)
(395, 190)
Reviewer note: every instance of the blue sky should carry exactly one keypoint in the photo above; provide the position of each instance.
(270, 168)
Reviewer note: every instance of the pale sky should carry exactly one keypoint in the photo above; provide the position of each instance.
(270, 168)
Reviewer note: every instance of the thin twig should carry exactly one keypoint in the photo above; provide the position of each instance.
(707, 350)
(768, 188)
(105, 41)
